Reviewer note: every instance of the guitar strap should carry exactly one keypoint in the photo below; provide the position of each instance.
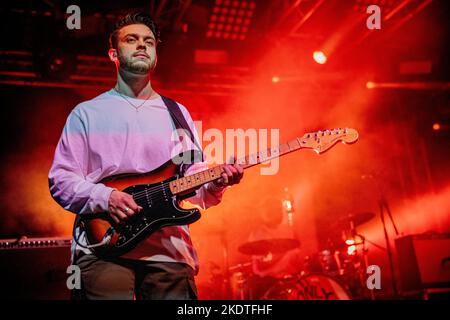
(180, 123)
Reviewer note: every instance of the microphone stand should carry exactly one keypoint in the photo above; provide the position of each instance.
(384, 206)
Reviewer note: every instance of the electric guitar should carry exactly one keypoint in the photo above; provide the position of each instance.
(160, 191)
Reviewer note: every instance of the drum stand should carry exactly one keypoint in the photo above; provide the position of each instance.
(227, 282)
(233, 271)
(364, 263)
(363, 266)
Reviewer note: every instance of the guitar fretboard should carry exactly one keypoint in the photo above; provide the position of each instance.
(196, 180)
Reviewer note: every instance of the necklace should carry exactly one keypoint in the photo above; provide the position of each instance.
(136, 107)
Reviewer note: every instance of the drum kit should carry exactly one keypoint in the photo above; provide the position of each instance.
(336, 273)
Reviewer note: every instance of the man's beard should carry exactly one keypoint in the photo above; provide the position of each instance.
(135, 66)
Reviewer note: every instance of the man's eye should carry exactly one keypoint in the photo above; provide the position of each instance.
(130, 40)
(150, 43)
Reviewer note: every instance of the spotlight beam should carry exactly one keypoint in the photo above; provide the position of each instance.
(402, 21)
(288, 12)
(306, 17)
(409, 85)
(396, 9)
(412, 14)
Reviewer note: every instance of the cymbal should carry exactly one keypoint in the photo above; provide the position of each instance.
(263, 247)
(240, 267)
(356, 218)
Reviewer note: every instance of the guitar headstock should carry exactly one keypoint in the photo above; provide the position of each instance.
(321, 141)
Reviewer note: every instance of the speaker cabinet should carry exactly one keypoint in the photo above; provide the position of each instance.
(34, 268)
(424, 261)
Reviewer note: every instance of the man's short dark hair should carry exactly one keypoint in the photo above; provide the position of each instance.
(133, 18)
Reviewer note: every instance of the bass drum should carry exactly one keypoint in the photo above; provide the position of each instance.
(308, 287)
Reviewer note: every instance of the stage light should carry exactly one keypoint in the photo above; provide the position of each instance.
(275, 79)
(287, 204)
(52, 63)
(319, 57)
(351, 247)
(351, 250)
(436, 127)
(230, 16)
(370, 85)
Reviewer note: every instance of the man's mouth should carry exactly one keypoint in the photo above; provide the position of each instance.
(142, 55)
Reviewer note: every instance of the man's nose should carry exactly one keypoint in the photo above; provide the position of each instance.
(141, 43)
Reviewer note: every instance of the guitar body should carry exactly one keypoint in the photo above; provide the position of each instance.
(160, 208)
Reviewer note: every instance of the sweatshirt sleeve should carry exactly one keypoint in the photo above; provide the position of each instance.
(67, 176)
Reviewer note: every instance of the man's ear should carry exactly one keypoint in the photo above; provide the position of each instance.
(112, 53)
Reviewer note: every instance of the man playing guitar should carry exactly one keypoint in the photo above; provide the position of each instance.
(128, 130)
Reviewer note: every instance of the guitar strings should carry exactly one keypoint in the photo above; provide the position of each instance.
(156, 189)
(153, 195)
(149, 192)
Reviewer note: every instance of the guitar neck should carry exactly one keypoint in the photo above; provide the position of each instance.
(192, 182)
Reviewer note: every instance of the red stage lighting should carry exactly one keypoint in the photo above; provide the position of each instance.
(370, 85)
(436, 126)
(230, 15)
(319, 57)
